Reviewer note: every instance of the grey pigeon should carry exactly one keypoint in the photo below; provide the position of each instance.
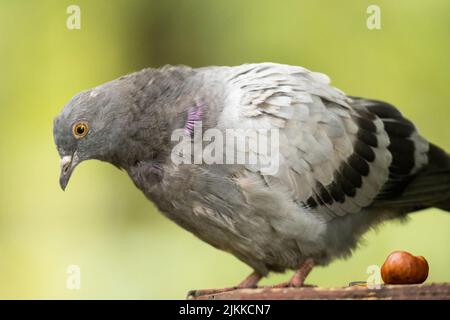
(345, 163)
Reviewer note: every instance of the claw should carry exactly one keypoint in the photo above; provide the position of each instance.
(250, 282)
(298, 279)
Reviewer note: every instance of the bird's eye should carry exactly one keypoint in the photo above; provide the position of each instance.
(80, 130)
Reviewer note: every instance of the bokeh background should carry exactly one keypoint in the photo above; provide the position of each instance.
(102, 223)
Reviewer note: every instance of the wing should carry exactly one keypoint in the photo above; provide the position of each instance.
(335, 152)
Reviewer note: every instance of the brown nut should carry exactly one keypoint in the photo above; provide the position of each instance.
(402, 267)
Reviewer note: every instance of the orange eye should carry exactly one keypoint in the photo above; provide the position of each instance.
(80, 130)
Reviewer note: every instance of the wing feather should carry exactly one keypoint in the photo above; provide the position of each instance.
(334, 156)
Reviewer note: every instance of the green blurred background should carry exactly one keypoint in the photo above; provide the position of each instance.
(102, 223)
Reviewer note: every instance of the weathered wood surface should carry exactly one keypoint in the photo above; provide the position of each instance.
(439, 291)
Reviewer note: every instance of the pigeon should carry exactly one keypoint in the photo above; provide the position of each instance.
(344, 164)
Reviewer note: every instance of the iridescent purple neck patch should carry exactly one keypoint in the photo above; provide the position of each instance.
(194, 115)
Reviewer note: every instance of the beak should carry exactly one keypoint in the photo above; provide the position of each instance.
(68, 164)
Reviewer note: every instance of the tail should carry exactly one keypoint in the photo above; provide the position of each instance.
(419, 174)
(434, 181)
(430, 187)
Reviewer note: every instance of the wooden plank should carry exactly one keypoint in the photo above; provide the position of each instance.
(440, 291)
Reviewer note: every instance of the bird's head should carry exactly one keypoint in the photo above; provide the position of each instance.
(90, 126)
(123, 121)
